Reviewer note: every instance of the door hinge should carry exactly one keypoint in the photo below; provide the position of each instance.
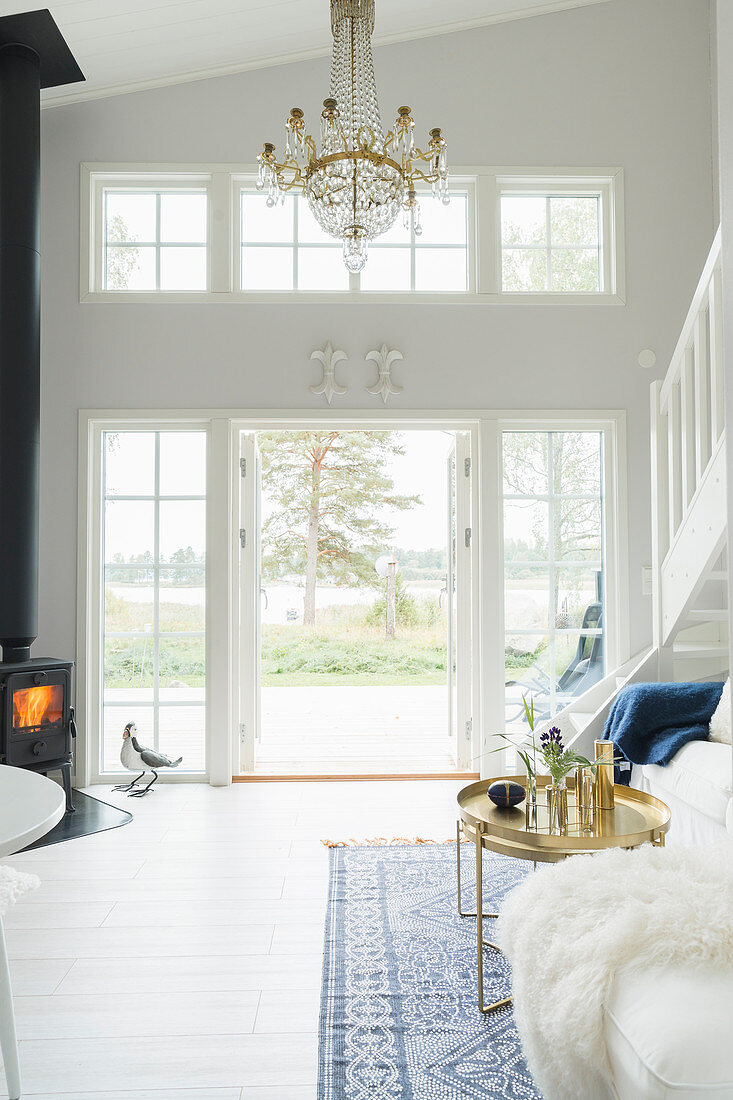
(467, 467)
(242, 537)
(243, 466)
(243, 733)
(468, 536)
(469, 729)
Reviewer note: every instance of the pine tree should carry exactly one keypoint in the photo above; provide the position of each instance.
(331, 490)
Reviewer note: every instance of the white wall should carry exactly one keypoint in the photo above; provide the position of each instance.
(724, 75)
(623, 84)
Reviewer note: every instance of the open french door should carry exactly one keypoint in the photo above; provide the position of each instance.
(249, 599)
(459, 606)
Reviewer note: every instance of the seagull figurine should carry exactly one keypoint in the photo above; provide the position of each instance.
(135, 756)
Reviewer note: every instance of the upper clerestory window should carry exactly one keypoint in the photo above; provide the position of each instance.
(188, 233)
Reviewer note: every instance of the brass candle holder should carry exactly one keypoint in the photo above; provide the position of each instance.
(603, 781)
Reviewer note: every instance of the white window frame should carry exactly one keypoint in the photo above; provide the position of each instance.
(608, 189)
(224, 182)
(93, 230)
(355, 292)
(90, 672)
(223, 556)
(602, 497)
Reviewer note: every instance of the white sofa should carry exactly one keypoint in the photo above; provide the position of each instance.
(668, 1032)
(697, 785)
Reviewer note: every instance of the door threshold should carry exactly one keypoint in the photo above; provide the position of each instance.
(256, 777)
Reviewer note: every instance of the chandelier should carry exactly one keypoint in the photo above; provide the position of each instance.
(360, 179)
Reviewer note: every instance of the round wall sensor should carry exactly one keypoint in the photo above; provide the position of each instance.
(647, 359)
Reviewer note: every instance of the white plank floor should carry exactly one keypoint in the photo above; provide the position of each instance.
(179, 957)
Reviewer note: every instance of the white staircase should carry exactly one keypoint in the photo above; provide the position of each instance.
(689, 538)
(688, 499)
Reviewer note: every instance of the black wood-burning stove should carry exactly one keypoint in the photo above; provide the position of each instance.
(37, 719)
(36, 715)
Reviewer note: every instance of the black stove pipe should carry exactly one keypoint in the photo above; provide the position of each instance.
(20, 291)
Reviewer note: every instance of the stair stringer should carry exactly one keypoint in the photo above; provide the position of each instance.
(697, 546)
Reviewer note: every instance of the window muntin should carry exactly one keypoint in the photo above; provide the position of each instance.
(154, 239)
(551, 242)
(284, 248)
(154, 589)
(554, 567)
(446, 263)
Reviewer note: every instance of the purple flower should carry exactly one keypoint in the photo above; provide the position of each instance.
(552, 740)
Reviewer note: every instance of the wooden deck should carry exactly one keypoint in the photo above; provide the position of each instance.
(355, 731)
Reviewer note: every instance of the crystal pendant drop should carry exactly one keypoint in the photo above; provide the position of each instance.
(355, 248)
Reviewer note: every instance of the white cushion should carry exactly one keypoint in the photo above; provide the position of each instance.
(668, 1034)
(700, 774)
(720, 722)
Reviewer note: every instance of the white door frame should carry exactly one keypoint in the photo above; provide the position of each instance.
(487, 601)
(470, 640)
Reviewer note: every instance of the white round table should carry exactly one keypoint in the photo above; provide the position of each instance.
(30, 805)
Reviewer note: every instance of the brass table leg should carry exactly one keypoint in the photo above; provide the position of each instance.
(480, 916)
(486, 916)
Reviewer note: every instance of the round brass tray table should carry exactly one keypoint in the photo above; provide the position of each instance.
(637, 818)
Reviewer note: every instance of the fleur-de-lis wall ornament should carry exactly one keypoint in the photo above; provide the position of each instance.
(328, 386)
(384, 359)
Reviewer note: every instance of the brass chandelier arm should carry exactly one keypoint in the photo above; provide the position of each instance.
(353, 155)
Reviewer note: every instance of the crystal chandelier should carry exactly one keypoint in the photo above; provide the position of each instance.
(361, 179)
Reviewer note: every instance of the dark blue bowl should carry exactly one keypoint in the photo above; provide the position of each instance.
(504, 793)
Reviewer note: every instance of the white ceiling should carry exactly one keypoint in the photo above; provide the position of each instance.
(127, 45)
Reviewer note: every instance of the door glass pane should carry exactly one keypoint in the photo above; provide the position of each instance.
(553, 569)
(183, 733)
(526, 597)
(146, 671)
(182, 531)
(129, 459)
(182, 464)
(129, 531)
(183, 599)
(526, 529)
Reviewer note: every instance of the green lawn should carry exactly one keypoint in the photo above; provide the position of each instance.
(297, 655)
(363, 679)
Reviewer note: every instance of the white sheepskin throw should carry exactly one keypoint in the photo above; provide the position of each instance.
(720, 722)
(13, 884)
(568, 928)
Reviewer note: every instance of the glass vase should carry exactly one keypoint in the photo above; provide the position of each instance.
(557, 806)
(530, 807)
(584, 797)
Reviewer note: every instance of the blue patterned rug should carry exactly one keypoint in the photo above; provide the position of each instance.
(399, 1016)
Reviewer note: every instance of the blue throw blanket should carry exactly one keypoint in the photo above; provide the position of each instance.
(649, 723)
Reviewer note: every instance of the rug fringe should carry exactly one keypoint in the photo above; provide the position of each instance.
(383, 842)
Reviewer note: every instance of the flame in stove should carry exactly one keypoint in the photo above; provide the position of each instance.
(38, 706)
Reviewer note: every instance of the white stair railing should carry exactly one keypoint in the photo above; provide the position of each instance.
(688, 463)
